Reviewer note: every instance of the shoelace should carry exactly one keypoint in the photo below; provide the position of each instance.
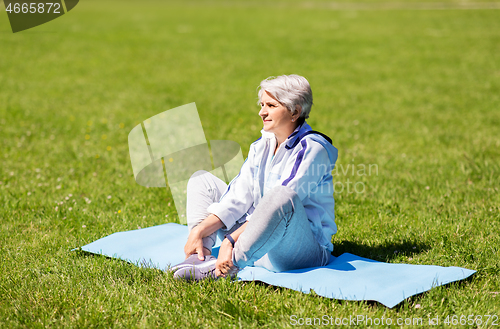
(209, 273)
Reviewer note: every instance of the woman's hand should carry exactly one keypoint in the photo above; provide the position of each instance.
(194, 244)
(224, 265)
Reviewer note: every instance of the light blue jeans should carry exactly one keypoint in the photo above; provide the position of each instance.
(278, 236)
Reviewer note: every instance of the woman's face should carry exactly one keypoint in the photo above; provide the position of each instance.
(276, 117)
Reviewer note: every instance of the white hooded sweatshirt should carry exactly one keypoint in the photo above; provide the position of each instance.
(304, 162)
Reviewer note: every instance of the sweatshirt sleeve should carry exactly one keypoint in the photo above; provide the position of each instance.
(310, 170)
(238, 198)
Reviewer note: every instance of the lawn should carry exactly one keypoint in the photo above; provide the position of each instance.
(409, 90)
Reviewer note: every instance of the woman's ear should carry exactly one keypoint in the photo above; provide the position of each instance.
(298, 111)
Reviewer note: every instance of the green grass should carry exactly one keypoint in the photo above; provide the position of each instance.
(414, 92)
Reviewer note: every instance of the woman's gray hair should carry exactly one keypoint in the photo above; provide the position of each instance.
(289, 90)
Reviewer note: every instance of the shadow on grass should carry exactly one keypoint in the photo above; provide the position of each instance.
(382, 252)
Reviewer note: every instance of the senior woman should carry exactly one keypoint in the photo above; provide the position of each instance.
(278, 212)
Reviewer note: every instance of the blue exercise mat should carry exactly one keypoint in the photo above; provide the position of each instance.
(347, 277)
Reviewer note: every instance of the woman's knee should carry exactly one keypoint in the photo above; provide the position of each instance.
(283, 194)
(195, 179)
(197, 175)
(281, 202)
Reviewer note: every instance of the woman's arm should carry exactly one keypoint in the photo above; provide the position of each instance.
(233, 204)
(236, 234)
(238, 198)
(224, 264)
(312, 166)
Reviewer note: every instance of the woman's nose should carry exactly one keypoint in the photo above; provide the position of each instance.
(263, 111)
